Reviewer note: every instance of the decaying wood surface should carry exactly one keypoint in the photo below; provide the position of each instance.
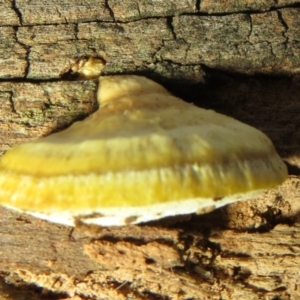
(241, 58)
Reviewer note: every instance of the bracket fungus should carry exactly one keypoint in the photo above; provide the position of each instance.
(143, 155)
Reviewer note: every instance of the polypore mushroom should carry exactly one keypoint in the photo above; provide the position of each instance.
(143, 155)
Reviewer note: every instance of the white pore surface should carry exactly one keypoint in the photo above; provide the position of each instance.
(119, 216)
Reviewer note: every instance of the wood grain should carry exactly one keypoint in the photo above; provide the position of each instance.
(240, 58)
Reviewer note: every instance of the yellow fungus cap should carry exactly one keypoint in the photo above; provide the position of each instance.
(143, 155)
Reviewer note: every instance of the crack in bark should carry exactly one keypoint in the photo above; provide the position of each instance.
(286, 27)
(251, 27)
(138, 9)
(111, 12)
(61, 15)
(17, 11)
(76, 30)
(198, 5)
(26, 47)
(171, 27)
(11, 101)
(281, 19)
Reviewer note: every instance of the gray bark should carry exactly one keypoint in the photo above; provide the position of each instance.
(241, 58)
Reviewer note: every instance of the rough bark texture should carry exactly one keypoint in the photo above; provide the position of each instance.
(241, 58)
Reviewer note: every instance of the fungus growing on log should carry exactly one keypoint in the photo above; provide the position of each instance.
(143, 155)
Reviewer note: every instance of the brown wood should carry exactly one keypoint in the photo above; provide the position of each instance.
(240, 58)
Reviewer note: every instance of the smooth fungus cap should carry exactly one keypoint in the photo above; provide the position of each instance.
(143, 155)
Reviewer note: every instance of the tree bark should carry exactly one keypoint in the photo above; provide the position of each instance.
(241, 58)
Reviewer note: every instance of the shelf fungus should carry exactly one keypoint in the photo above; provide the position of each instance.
(143, 155)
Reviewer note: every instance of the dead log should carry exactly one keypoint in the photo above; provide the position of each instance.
(239, 59)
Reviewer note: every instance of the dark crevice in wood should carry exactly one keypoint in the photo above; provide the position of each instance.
(292, 169)
(11, 99)
(170, 25)
(280, 17)
(198, 5)
(27, 48)
(285, 25)
(110, 10)
(17, 10)
(19, 290)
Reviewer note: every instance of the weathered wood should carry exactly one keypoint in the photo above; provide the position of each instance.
(230, 6)
(203, 51)
(245, 251)
(59, 32)
(29, 110)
